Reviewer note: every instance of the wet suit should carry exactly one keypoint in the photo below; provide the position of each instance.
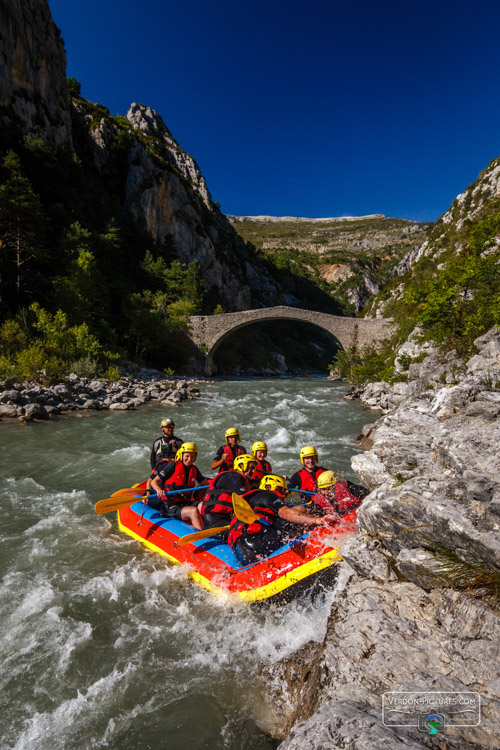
(262, 537)
(164, 447)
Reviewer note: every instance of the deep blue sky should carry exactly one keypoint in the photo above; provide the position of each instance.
(305, 108)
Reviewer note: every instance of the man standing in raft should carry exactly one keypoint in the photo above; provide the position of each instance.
(177, 475)
(226, 454)
(167, 445)
(264, 535)
(217, 506)
(307, 478)
(335, 498)
(259, 450)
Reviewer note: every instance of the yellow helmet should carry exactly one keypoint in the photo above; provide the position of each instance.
(241, 462)
(307, 451)
(273, 482)
(232, 432)
(259, 445)
(187, 448)
(327, 479)
(178, 455)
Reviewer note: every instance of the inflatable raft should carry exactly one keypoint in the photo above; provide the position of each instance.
(213, 565)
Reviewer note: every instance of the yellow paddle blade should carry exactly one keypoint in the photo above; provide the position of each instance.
(109, 504)
(242, 510)
(201, 535)
(127, 491)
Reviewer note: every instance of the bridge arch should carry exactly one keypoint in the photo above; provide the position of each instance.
(207, 332)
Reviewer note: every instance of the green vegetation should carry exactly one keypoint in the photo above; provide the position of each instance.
(476, 577)
(453, 298)
(75, 263)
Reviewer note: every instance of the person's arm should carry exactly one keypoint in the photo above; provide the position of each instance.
(152, 458)
(156, 486)
(219, 459)
(295, 481)
(160, 477)
(300, 515)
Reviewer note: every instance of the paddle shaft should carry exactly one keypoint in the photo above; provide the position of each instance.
(200, 535)
(110, 504)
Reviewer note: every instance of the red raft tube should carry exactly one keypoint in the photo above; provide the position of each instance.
(213, 565)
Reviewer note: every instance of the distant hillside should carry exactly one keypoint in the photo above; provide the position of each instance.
(348, 256)
(446, 292)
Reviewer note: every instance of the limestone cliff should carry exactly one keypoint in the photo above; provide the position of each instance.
(163, 187)
(416, 609)
(33, 92)
(159, 183)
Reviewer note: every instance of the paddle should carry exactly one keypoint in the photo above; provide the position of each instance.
(200, 535)
(109, 504)
(243, 510)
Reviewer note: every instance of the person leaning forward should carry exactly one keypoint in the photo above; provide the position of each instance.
(177, 475)
(167, 445)
(335, 498)
(224, 458)
(217, 506)
(265, 534)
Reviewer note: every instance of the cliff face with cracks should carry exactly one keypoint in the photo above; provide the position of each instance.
(433, 468)
(159, 183)
(163, 187)
(33, 92)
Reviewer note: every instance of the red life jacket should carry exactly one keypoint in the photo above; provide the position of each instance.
(162, 462)
(345, 499)
(342, 503)
(237, 527)
(308, 480)
(183, 476)
(220, 500)
(263, 467)
(229, 456)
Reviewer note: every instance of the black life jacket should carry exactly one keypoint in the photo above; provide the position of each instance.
(241, 530)
(167, 448)
(220, 499)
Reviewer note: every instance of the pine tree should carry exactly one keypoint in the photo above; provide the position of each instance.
(23, 229)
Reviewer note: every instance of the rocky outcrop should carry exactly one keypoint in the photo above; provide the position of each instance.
(399, 624)
(479, 199)
(30, 402)
(160, 184)
(33, 91)
(165, 190)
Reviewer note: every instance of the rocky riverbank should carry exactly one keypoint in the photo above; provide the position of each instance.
(30, 402)
(397, 624)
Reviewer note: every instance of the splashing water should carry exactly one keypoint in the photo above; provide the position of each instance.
(104, 644)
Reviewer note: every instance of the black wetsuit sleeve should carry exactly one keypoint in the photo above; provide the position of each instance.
(295, 481)
(165, 472)
(152, 458)
(199, 476)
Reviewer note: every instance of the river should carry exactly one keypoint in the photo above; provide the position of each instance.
(106, 645)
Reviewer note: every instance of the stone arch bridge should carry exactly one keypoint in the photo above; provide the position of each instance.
(207, 332)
